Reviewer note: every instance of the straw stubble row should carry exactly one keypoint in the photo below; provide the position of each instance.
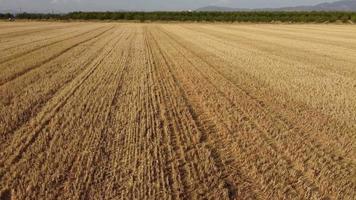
(177, 111)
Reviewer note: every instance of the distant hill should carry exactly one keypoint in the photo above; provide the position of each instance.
(345, 5)
(8, 11)
(219, 9)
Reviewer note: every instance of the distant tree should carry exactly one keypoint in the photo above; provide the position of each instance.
(255, 16)
(353, 18)
(6, 16)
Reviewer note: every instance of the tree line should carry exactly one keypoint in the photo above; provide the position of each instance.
(6, 15)
(257, 16)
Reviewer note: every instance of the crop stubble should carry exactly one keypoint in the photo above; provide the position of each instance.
(177, 111)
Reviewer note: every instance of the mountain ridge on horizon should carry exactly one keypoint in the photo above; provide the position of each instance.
(342, 5)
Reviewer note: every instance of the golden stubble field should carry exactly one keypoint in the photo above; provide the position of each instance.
(177, 111)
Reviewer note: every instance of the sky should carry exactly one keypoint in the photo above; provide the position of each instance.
(146, 5)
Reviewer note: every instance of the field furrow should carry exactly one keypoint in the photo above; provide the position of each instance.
(279, 132)
(23, 98)
(14, 48)
(29, 30)
(263, 70)
(16, 68)
(177, 111)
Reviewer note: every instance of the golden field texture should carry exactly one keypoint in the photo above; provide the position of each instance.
(177, 111)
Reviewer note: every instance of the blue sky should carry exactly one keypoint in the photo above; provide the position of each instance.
(103, 5)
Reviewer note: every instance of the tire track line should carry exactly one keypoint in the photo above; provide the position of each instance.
(339, 147)
(207, 128)
(55, 137)
(265, 130)
(169, 138)
(297, 55)
(335, 41)
(39, 40)
(168, 118)
(69, 170)
(233, 105)
(261, 107)
(28, 113)
(10, 35)
(19, 74)
(124, 63)
(223, 127)
(221, 183)
(47, 113)
(23, 54)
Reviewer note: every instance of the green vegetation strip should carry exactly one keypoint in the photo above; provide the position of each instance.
(258, 16)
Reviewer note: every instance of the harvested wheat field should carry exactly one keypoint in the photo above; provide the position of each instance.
(177, 111)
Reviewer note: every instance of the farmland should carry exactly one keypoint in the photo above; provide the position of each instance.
(177, 111)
